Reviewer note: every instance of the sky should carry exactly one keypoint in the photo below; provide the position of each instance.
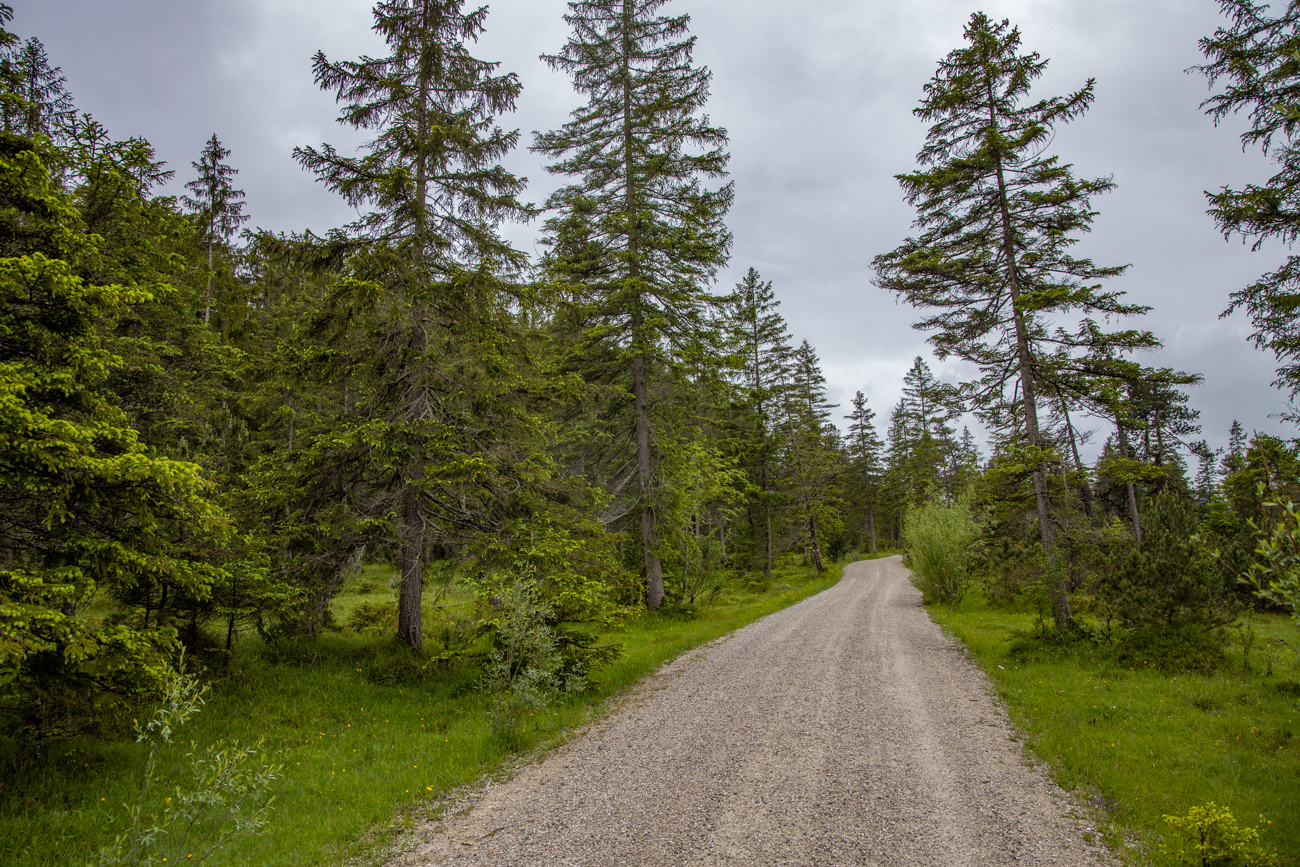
(817, 98)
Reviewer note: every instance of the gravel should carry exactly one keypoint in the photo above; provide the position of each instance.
(845, 730)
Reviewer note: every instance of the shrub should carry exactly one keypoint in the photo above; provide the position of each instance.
(940, 538)
(1171, 596)
(230, 795)
(1210, 835)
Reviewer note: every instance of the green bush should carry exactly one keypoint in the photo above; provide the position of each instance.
(1210, 835)
(940, 538)
(1171, 597)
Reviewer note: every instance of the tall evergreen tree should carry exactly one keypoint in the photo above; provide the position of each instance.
(760, 338)
(35, 99)
(812, 452)
(1257, 57)
(999, 216)
(637, 151)
(420, 319)
(217, 206)
(865, 451)
(87, 508)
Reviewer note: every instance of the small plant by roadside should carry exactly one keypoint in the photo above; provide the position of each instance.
(230, 795)
(1209, 835)
(526, 667)
(939, 537)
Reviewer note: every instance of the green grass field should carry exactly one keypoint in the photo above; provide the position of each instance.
(1139, 744)
(361, 745)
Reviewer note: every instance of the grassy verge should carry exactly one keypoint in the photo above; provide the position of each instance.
(360, 744)
(1139, 744)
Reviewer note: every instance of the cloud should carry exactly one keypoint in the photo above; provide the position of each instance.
(817, 98)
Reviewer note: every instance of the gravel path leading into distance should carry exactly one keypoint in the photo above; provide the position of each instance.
(844, 730)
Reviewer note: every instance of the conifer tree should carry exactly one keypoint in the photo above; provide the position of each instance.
(636, 152)
(420, 319)
(217, 205)
(1257, 57)
(35, 99)
(760, 338)
(87, 508)
(812, 451)
(865, 451)
(998, 217)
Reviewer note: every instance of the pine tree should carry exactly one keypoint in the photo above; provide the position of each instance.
(217, 206)
(999, 217)
(865, 451)
(421, 320)
(762, 342)
(35, 99)
(812, 451)
(1258, 57)
(630, 151)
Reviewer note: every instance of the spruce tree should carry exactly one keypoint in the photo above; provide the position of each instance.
(637, 151)
(217, 206)
(420, 321)
(1257, 58)
(812, 451)
(35, 99)
(760, 339)
(865, 451)
(999, 216)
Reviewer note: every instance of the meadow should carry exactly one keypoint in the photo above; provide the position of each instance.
(1138, 744)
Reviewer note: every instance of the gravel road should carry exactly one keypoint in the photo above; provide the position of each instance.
(845, 730)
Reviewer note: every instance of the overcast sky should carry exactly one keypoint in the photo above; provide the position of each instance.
(817, 97)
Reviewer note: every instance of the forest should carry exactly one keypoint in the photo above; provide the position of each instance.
(234, 457)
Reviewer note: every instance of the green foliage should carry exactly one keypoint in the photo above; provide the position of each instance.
(1209, 835)
(1276, 573)
(230, 795)
(1256, 59)
(1148, 743)
(940, 538)
(87, 507)
(1173, 580)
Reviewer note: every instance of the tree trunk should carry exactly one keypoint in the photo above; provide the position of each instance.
(410, 631)
(653, 569)
(1131, 488)
(654, 577)
(1085, 491)
(207, 295)
(815, 547)
(1047, 532)
(871, 522)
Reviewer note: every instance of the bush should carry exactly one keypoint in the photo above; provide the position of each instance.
(1210, 835)
(1172, 597)
(940, 538)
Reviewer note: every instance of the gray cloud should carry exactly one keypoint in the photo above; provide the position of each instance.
(817, 98)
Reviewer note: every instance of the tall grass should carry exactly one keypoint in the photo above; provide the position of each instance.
(938, 537)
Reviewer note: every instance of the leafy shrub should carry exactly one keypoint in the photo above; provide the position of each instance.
(1210, 835)
(230, 795)
(940, 538)
(526, 666)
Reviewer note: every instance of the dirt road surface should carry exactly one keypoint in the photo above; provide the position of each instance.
(845, 730)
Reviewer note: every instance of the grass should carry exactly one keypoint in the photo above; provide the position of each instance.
(364, 746)
(1139, 744)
